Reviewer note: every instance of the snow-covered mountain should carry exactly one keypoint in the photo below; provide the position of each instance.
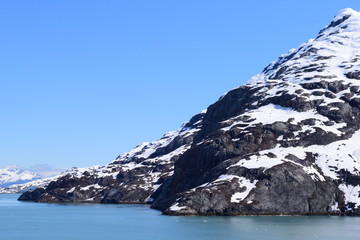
(132, 177)
(14, 175)
(285, 143)
(37, 182)
(22, 187)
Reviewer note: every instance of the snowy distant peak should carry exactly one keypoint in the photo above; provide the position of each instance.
(37, 182)
(22, 187)
(13, 175)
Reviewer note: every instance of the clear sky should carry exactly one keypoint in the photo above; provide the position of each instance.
(84, 81)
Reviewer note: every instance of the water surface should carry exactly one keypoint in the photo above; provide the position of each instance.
(37, 221)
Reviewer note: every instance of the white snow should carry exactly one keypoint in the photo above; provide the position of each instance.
(335, 55)
(335, 207)
(166, 158)
(351, 193)
(346, 12)
(314, 173)
(11, 175)
(32, 184)
(93, 186)
(144, 150)
(71, 190)
(243, 182)
(130, 166)
(176, 207)
(344, 154)
(272, 113)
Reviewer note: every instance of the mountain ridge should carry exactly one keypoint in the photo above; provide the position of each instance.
(284, 143)
(15, 175)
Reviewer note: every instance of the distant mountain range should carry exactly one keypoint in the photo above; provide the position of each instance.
(13, 175)
(29, 180)
(285, 143)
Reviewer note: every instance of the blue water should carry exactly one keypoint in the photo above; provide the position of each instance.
(37, 221)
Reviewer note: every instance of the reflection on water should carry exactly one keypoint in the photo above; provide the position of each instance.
(27, 220)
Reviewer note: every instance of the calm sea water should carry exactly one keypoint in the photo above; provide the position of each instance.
(37, 221)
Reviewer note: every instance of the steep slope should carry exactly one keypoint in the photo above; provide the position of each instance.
(285, 143)
(13, 175)
(132, 178)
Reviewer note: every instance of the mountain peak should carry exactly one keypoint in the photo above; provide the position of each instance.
(332, 56)
(285, 143)
(346, 12)
(347, 20)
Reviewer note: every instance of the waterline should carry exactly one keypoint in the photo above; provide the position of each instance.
(37, 221)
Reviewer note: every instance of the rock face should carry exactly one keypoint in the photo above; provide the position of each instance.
(285, 143)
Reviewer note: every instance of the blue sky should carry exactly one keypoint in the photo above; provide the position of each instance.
(84, 81)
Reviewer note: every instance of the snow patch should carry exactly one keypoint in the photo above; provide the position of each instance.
(243, 182)
(236, 197)
(94, 186)
(351, 193)
(344, 154)
(71, 190)
(272, 113)
(176, 207)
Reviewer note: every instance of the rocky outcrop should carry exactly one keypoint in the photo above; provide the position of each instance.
(131, 178)
(285, 143)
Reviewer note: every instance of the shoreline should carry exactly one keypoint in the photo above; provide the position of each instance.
(165, 213)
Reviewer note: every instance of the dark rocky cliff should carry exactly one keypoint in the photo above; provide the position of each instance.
(285, 143)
